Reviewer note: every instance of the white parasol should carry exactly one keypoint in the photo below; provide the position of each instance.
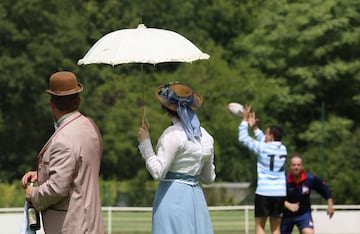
(142, 45)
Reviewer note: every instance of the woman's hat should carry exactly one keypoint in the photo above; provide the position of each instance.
(64, 83)
(166, 93)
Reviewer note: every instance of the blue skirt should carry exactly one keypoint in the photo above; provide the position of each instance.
(180, 207)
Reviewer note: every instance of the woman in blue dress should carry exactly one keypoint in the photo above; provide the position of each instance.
(184, 157)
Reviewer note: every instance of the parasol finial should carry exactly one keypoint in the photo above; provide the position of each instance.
(141, 26)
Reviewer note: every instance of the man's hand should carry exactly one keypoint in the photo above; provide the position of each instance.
(246, 112)
(252, 120)
(330, 211)
(28, 193)
(30, 176)
(293, 207)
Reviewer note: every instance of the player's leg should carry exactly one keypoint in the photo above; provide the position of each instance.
(276, 209)
(261, 214)
(275, 225)
(260, 225)
(287, 225)
(305, 223)
(307, 231)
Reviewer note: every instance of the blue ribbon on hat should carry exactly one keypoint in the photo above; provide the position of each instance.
(188, 117)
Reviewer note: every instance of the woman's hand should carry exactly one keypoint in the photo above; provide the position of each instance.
(143, 133)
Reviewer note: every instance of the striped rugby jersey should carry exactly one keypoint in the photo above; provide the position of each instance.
(271, 159)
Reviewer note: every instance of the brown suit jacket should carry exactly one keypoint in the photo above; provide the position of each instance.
(68, 194)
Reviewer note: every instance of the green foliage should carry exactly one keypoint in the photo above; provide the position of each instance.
(138, 191)
(109, 191)
(12, 195)
(140, 194)
(285, 58)
(305, 47)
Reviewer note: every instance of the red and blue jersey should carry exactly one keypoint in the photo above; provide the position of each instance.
(300, 192)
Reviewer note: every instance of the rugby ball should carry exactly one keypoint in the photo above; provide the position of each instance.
(236, 109)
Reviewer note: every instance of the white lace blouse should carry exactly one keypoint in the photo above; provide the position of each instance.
(175, 153)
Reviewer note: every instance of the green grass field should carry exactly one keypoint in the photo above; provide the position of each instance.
(139, 222)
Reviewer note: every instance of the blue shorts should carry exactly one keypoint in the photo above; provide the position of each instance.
(301, 221)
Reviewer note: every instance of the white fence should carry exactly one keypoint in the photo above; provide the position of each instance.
(346, 219)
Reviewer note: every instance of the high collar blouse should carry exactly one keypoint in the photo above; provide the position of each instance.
(175, 153)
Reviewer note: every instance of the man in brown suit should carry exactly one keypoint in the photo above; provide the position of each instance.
(68, 192)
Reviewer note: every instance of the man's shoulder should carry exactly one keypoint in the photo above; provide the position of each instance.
(311, 178)
(309, 175)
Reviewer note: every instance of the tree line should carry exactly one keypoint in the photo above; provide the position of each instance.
(296, 63)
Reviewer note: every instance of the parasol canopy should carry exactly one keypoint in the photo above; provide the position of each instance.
(142, 45)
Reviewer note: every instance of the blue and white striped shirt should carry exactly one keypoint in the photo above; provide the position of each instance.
(271, 159)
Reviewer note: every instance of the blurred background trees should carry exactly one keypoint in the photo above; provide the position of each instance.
(297, 63)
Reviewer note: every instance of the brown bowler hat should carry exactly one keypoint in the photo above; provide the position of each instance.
(64, 83)
(181, 90)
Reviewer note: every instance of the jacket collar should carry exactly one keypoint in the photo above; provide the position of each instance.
(65, 117)
(71, 118)
(302, 178)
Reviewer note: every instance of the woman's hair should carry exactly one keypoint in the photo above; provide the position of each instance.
(67, 103)
(170, 112)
